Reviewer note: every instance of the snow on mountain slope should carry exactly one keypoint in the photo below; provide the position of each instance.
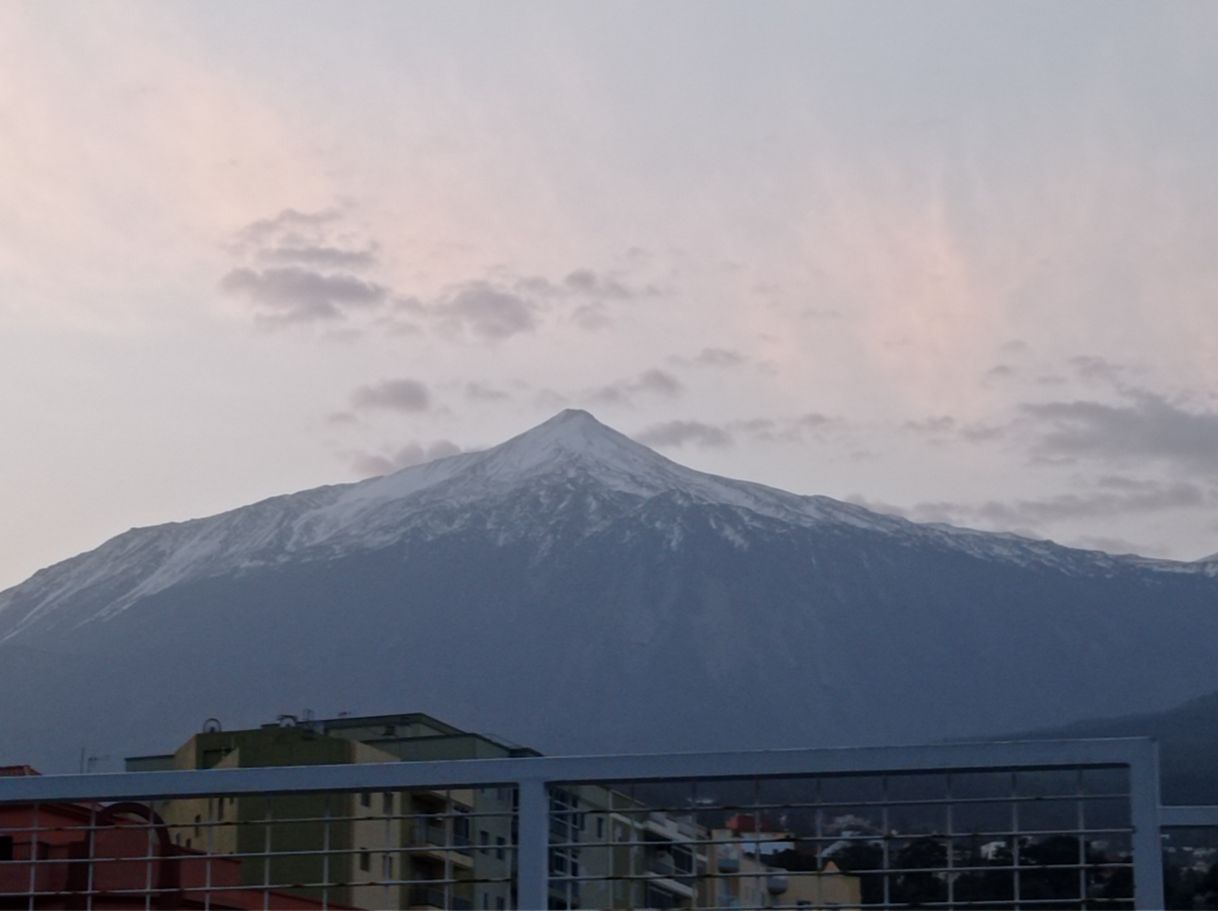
(438, 497)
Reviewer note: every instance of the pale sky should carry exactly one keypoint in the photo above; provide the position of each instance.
(956, 260)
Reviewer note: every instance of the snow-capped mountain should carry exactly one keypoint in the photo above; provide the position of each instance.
(574, 589)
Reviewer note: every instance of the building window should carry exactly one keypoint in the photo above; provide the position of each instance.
(365, 860)
(6, 847)
(500, 904)
(600, 827)
(365, 799)
(461, 828)
(198, 819)
(388, 804)
(484, 840)
(500, 842)
(683, 860)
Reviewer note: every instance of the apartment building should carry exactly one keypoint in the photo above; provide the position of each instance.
(414, 849)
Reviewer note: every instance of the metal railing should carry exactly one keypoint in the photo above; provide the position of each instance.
(1056, 824)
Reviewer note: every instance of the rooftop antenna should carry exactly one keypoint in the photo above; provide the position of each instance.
(212, 726)
(89, 760)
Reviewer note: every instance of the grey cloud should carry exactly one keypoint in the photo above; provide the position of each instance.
(1135, 497)
(881, 506)
(264, 230)
(292, 294)
(296, 267)
(938, 429)
(1000, 372)
(591, 317)
(762, 429)
(981, 433)
(1096, 504)
(303, 262)
(370, 464)
(594, 284)
(653, 382)
(321, 256)
(659, 382)
(395, 395)
(585, 283)
(481, 393)
(678, 433)
(487, 311)
(938, 425)
(418, 453)
(537, 285)
(787, 429)
(1147, 426)
(1110, 545)
(1121, 482)
(816, 419)
(756, 425)
(718, 357)
(550, 400)
(710, 357)
(1089, 367)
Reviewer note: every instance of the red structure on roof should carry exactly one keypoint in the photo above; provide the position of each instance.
(17, 771)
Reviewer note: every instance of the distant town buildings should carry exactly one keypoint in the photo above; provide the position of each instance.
(455, 849)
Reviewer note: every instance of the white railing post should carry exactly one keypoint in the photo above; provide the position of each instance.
(533, 846)
(1147, 829)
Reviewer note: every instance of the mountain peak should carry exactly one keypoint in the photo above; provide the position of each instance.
(570, 417)
(572, 429)
(571, 438)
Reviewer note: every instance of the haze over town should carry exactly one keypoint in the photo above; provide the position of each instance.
(950, 260)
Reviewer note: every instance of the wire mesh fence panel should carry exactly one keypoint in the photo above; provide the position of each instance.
(895, 840)
(1190, 867)
(412, 848)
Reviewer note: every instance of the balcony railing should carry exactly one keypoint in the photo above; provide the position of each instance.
(428, 832)
(1067, 824)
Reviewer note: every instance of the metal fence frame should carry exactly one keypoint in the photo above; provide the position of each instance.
(534, 776)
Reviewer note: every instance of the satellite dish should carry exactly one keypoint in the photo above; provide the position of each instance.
(212, 726)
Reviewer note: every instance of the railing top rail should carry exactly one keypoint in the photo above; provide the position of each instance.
(1188, 816)
(466, 773)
